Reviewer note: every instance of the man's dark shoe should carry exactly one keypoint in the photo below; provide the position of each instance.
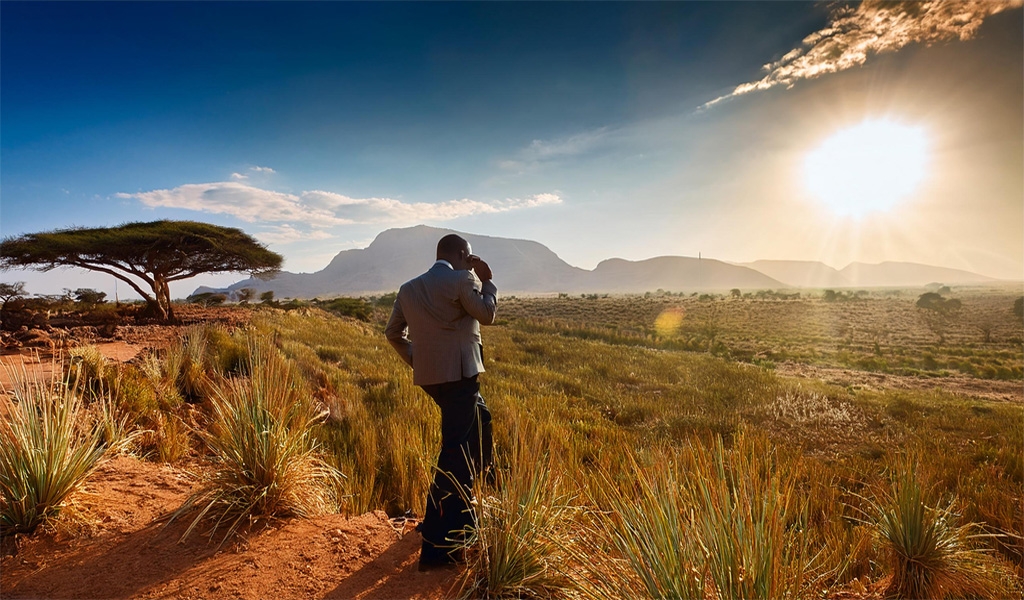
(437, 558)
(434, 565)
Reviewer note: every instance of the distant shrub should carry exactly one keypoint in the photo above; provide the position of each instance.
(388, 300)
(207, 299)
(356, 308)
(89, 296)
(935, 302)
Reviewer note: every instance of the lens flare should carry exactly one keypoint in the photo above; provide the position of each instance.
(668, 322)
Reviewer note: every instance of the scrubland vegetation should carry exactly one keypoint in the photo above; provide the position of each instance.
(645, 446)
(977, 334)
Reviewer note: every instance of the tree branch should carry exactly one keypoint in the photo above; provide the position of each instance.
(122, 277)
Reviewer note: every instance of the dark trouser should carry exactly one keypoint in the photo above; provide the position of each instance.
(465, 451)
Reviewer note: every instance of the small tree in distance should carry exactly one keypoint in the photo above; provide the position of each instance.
(244, 295)
(89, 296)
(144, 255)
(938, 312)
(10, 291)
(207, 299)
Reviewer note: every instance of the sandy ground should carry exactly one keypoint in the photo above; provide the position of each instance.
(125, 550)
(36, 364)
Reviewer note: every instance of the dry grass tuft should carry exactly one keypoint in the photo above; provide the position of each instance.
(649, 527)
(47, 449)
(267, 462)
(749, 517)
(516, 548)
(930, 555)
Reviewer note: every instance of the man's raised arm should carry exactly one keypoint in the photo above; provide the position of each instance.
(479, 299)
(396, 333)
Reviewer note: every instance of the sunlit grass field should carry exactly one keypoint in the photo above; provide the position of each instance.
(646, 447)
(878, 330)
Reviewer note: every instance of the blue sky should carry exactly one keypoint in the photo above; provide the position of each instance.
(598, 129)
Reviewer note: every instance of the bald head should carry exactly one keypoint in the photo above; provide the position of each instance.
(455, 250)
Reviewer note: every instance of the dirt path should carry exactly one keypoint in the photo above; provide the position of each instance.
(41, 365)
(126, 551)
(987, 389)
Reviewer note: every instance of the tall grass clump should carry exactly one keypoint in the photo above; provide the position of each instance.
(930, 556)
(267, 462)
(749, 518)
(46, 451)
(87, 366)
(649, 527)
(516, 548)
(192, 367)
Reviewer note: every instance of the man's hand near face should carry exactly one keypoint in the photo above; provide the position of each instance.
(482, 270)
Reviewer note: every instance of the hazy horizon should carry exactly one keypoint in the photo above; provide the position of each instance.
(740, 131)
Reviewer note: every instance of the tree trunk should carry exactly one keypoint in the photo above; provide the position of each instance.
(159, 307)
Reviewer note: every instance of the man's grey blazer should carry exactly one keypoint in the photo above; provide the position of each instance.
(435, 324)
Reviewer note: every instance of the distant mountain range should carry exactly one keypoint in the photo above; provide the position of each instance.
(523, 266)
(812, 274)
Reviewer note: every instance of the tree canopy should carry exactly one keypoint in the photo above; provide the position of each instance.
(935, 302)
(10, 291)
(154, 253)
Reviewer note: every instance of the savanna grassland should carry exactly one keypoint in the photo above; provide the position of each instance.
(646, 446)
(879, 331)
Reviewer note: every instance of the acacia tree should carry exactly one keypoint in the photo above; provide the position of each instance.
(144, 254)
(10, 291)
(938, 312)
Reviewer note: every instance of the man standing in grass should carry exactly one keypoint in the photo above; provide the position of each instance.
(435, 327)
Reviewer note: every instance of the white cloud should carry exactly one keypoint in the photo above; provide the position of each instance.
(873, 27)
(318, 209)
(239, 176)
(286, 234)
(387, 210)
(266, 170)
(245, 202)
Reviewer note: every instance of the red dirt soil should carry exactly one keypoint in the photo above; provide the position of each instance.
(125, 550)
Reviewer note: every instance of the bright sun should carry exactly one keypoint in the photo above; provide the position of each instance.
(867, 168)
